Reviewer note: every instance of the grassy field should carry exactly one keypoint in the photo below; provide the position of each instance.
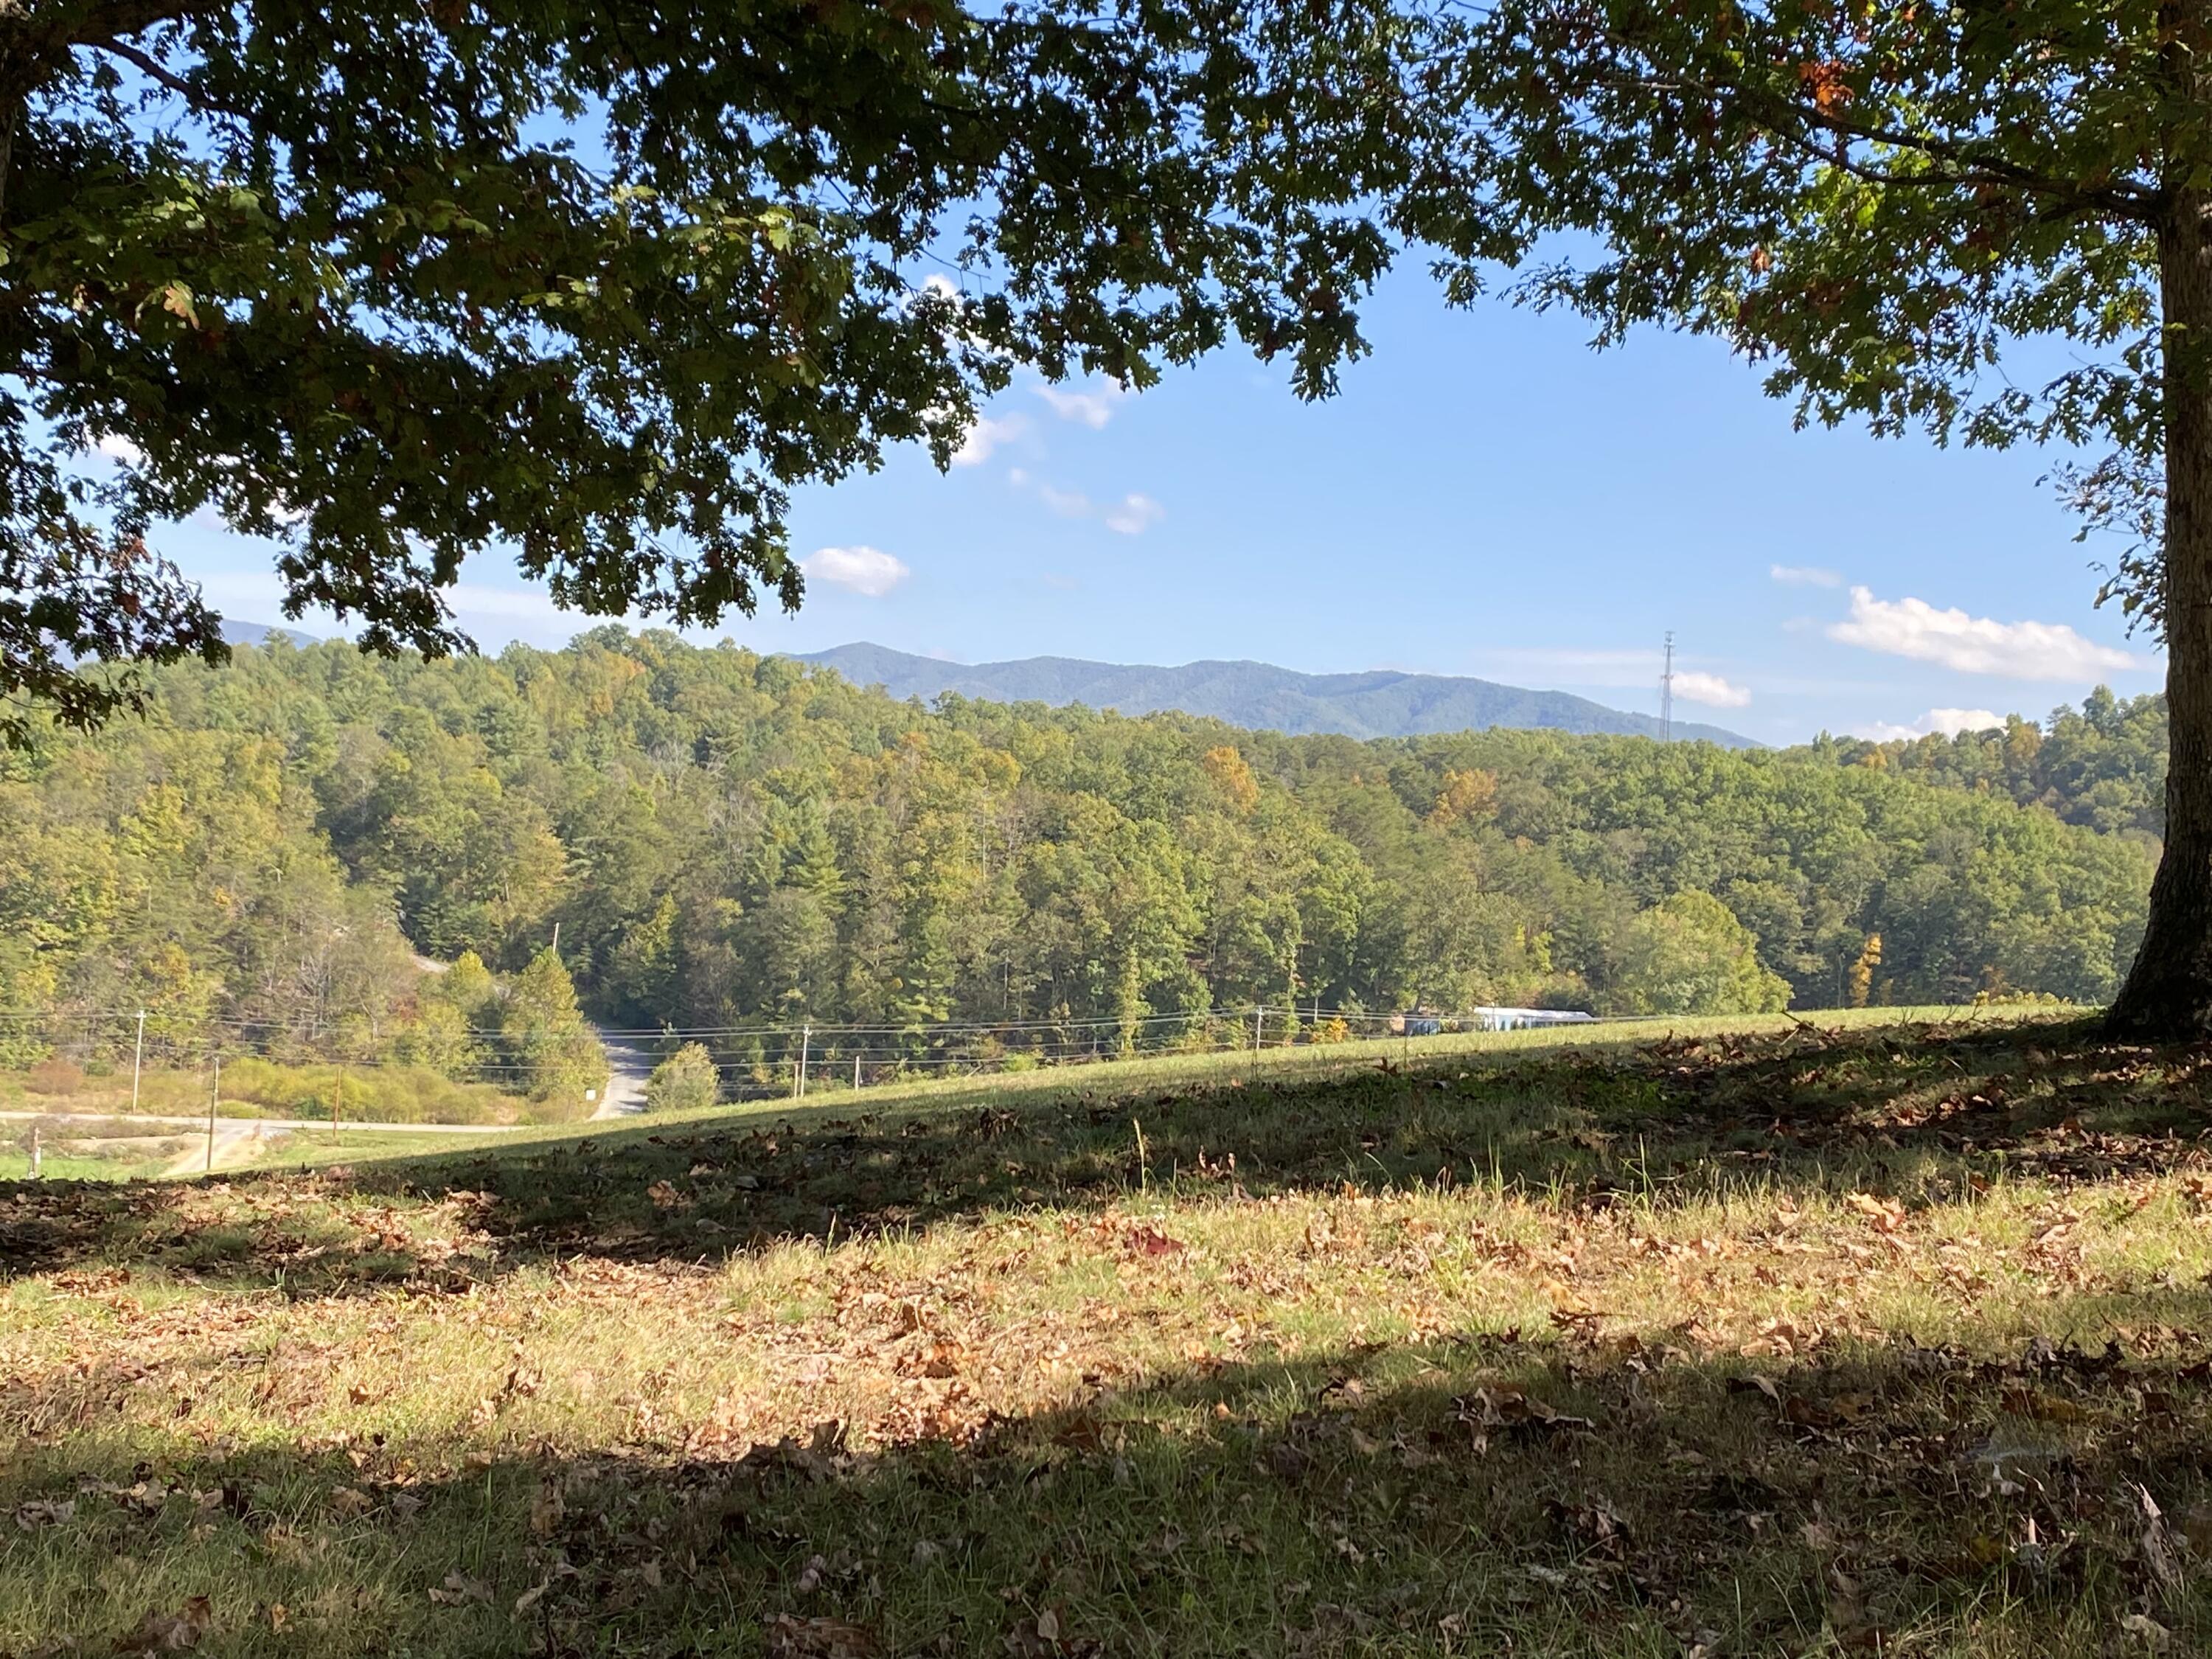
(120, 1149)
(254, 1087)
(1847, 1337)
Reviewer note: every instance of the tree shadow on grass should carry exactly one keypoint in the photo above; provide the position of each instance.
(1919, 1112)
(1563, 1496)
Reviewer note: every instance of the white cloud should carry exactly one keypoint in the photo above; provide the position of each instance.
(1974, 645)
(1134, 514)
(1948, 721)
(1092, 408)
(1804, 575)
(1952, 722)
(116, 448)
(866, 570)
(984, 438)
(1710, 689)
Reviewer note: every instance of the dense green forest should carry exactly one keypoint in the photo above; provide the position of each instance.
(2102, 765)
(727, 841)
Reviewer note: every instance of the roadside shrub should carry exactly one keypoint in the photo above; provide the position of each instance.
(685, 1081)
(377, 1094)
(2007, 997)
(55, 1076)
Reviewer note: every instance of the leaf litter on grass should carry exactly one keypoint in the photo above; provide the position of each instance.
(1908, 1385)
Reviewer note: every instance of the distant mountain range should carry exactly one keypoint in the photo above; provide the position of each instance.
(253, 633)
(1379, 704)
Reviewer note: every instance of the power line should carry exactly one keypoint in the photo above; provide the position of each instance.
(659, 1033)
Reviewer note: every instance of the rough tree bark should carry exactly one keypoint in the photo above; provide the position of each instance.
(2168, 993)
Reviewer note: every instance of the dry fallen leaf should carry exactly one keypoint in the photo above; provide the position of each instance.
(459, 1590)
(1756, 1384)
(2148, 1631)
(1505, 1406)
(2043, 1407)
(170, 1633)
(1887, 1214)
(547, 1510)
(2157, 1545)
(793, 1637)
(1151, 1241)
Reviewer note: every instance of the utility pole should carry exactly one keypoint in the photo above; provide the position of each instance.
(799, 1078)
(556, 926)
(1667, 693)
(137, 1059)
(214, 1097)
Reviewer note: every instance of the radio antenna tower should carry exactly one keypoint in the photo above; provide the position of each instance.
(1667, 693)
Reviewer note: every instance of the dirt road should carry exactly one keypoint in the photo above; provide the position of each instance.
(239, 1139)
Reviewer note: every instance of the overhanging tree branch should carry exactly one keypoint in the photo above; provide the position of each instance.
(152, 70)
(1789, 121)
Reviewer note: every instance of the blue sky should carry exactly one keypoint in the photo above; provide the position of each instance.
(1486, 496)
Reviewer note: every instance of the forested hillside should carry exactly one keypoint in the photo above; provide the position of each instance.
(726, 840)
(2102, 765)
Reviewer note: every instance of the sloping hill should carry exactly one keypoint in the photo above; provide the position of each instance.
(1380, 703)
(658, 1373)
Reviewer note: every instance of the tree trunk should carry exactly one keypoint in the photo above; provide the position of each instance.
(2168, 993)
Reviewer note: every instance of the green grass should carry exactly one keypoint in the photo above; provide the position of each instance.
(117, 1150)
(255, 1087)
(56, 1166)
(1855, 1339)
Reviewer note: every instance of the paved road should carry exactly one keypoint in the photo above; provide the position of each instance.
(628, 1067)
